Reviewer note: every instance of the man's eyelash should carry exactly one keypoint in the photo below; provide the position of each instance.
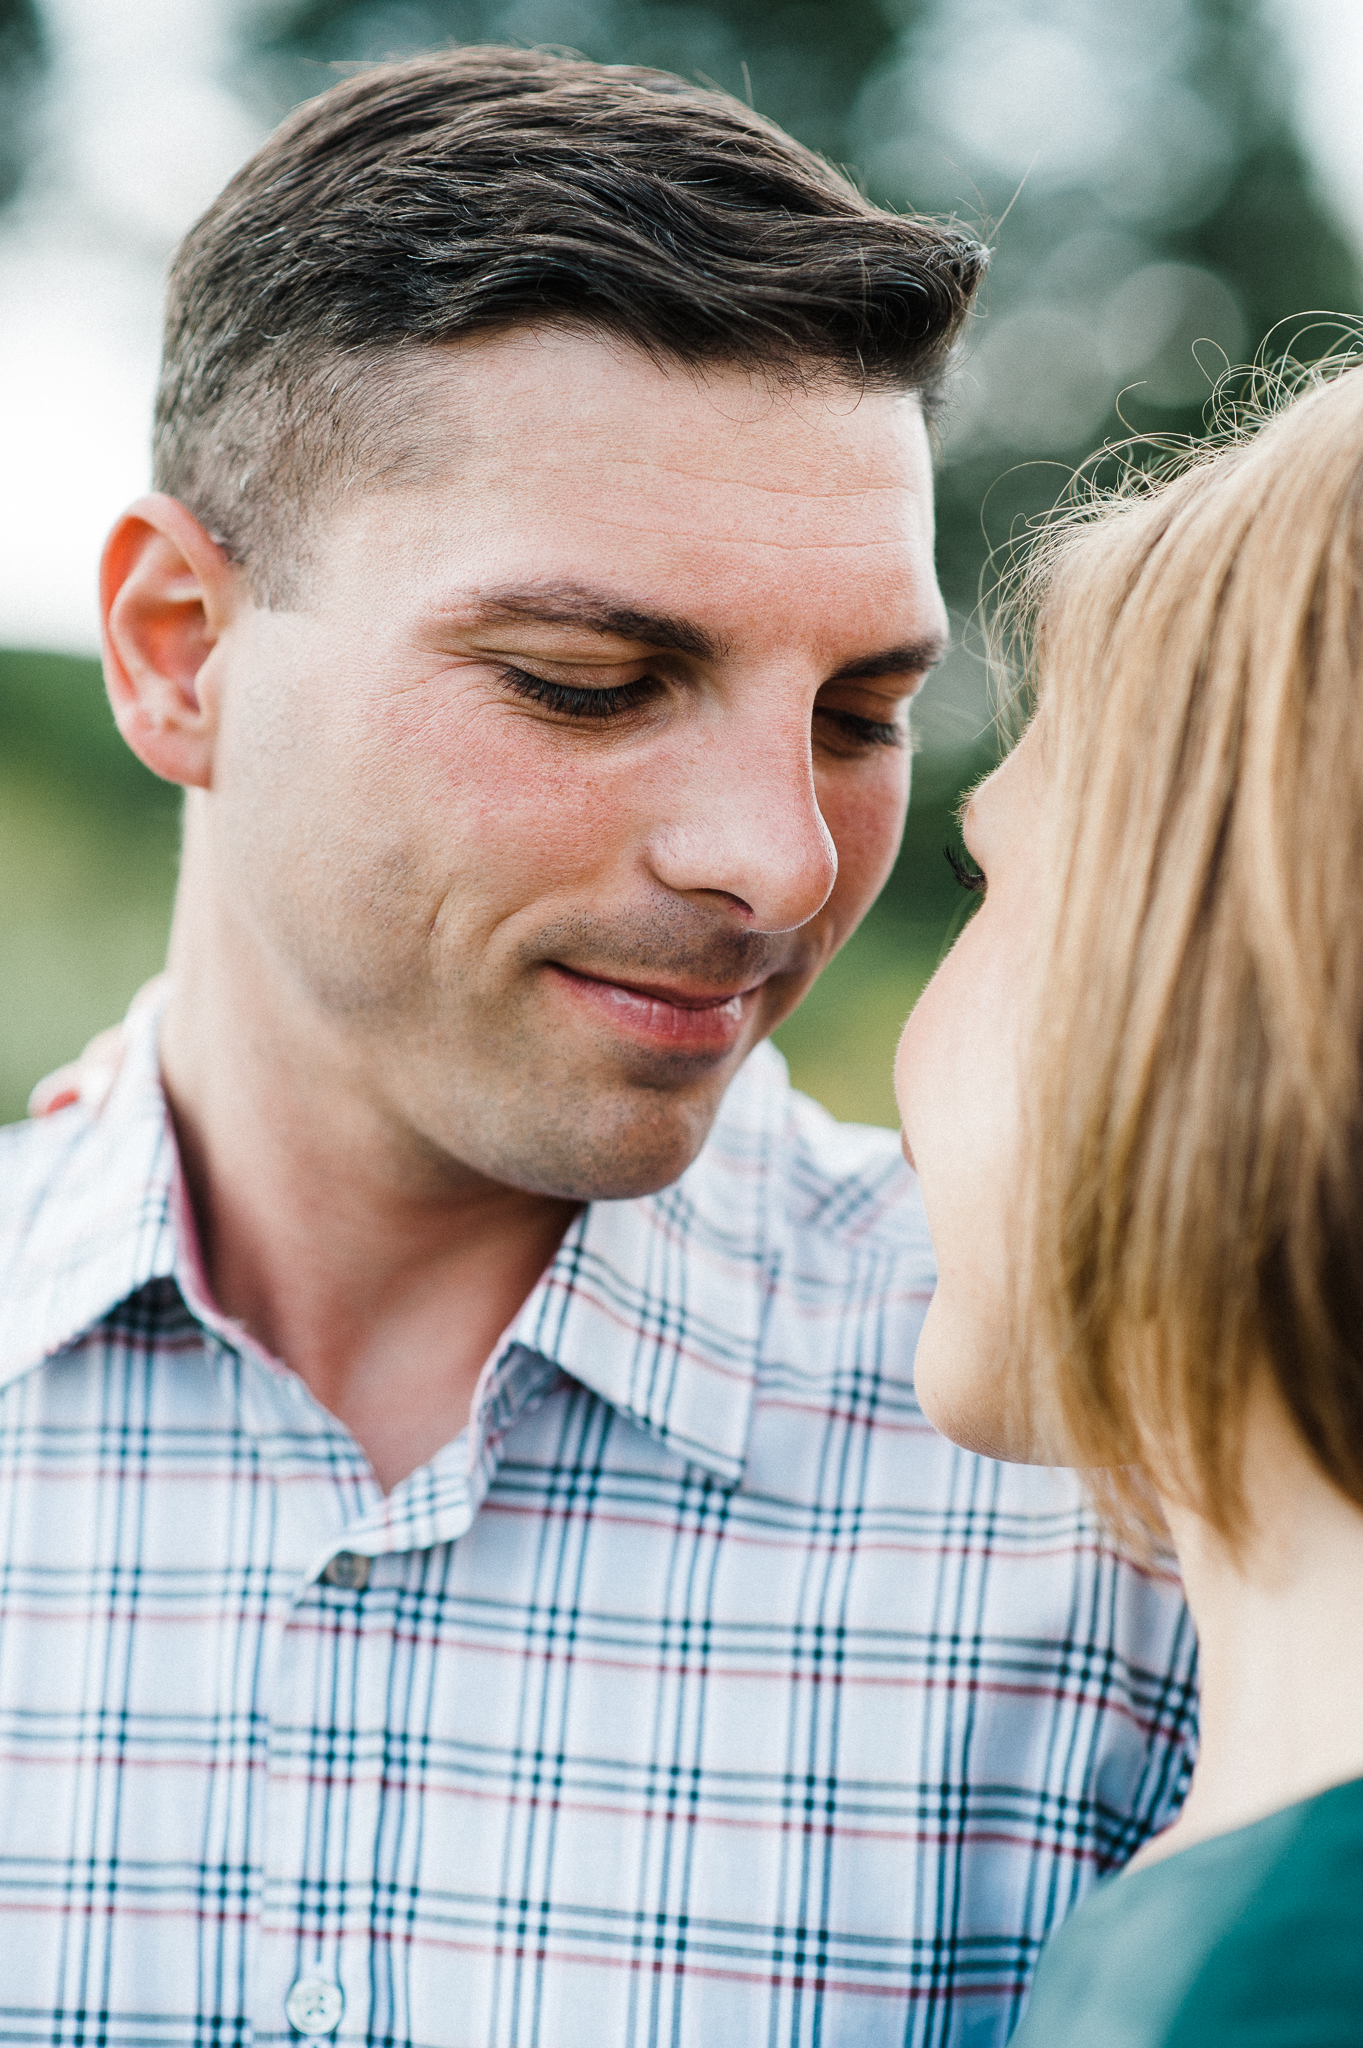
(574, 702)
(868, 732)
(578, 703)
(967, 874)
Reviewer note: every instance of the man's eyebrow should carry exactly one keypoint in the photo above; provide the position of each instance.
(914, 658)
(571, 605)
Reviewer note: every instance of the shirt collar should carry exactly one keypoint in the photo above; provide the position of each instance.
(656, 1304)
(659, 1304)
(96, 1221)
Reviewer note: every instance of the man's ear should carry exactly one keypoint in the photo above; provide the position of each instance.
(166, 592)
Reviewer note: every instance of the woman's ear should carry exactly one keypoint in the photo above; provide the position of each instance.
(166, 592)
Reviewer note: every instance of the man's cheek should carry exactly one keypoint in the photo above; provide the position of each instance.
(547, 820)
(867, 823)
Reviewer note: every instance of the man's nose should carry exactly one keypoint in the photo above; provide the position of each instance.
(743, 822)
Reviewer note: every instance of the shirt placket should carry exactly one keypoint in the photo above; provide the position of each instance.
(326, 1967)
(322, 1802)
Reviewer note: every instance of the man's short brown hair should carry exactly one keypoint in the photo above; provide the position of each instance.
(421, 202)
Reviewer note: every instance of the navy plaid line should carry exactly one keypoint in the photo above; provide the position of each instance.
(699, 1693)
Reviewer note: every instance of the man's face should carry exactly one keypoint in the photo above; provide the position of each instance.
(587, 748)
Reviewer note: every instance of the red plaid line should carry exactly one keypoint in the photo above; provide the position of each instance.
(698, 1694)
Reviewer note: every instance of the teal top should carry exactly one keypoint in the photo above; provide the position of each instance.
(1252, 1940)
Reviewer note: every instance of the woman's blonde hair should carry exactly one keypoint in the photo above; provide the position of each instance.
(1195, 1211)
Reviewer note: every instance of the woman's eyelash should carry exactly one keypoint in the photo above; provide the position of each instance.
(578, 703)
(967, 874)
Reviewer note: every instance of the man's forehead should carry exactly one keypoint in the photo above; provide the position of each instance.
(585, 476)
(546, 402)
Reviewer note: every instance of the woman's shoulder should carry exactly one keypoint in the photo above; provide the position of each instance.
(1253, 1939)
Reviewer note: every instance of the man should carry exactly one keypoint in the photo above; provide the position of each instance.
(474, 1570)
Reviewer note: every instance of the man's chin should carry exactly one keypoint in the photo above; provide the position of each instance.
(572, 1136)
(624, 1150)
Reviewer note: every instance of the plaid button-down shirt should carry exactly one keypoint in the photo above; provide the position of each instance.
(697, 1694)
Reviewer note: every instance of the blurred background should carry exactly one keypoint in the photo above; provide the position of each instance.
(1164, 183)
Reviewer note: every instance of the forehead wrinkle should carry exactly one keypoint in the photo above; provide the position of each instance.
(673, 472)
(743, 538)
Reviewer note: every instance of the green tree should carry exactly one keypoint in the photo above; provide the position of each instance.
(1157, 218)
(21, 59)
(801, 61)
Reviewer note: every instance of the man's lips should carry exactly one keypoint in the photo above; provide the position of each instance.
(678, 1019)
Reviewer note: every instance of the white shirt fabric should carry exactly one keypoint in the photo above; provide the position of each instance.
(697, 1694)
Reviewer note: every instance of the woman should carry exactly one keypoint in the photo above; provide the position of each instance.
(1134, 1094)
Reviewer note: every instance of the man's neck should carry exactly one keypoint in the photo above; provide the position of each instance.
(381, 1274)
(1280, 1635)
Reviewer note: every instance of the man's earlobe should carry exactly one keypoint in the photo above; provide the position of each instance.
(166, 592)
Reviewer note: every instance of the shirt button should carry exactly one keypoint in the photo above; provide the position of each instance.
(350, 1571)
(314, 2007)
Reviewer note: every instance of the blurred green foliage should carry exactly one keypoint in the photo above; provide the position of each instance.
(56, 727)
(21, 58)
(88, 843)
(1149, 203)
(802, 62)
